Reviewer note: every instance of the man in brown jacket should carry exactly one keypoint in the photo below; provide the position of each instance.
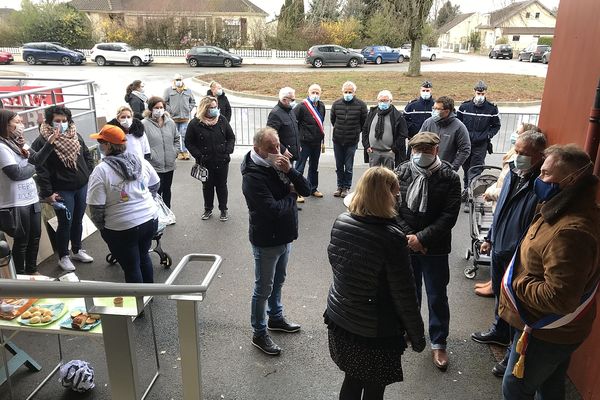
(553, 278)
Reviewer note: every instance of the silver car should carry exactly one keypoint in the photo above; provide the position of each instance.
(330, 54)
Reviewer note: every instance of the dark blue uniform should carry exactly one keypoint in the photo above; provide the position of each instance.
(415, 113)
(483, 123)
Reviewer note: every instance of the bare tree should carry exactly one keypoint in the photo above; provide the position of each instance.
(415, 13)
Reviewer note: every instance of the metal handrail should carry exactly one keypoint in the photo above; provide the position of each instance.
(41, 289)
(45, 88)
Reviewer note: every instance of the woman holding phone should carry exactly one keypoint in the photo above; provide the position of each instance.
(62, 181)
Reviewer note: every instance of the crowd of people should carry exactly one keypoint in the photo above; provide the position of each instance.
(394, 238)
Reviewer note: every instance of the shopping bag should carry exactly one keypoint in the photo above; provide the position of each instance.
(165, 215)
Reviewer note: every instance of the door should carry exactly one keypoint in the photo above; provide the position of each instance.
(52, 53)
(388, 54)
(214, 56)
(118, 53)
(338, 56)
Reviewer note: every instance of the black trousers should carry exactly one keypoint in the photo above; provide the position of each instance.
(166, 180)
(25, 248)
(217, 180)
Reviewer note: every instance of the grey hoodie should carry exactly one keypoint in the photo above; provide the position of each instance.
(164, 143)
(455, 145)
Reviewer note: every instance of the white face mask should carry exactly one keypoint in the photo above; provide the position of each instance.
(19, 129)
(425, 95)
(126, 122)
(478, 99)
(178, 83)
(158, 112)
(423, 160)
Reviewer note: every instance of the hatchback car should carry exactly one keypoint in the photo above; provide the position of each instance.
(120, 53)
(211, 55)
(6, 57)
(328, 54)
(48, 52)
(546, 57)
(501, 51)
(427, 53)
(533, 53)
(381, 54)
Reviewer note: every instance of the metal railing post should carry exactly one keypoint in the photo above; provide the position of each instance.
(189, 350)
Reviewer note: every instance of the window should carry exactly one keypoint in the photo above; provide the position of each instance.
(516, 38)
(527, 15)
(537, 15)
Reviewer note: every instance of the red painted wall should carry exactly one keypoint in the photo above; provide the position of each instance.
(573, 75)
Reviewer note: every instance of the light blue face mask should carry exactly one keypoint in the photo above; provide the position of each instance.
(219, 92)
(314, 98)
(522, 163)
(513, 138)
(213, 112)
(435, 115)
(425, 95)
(61, 126)
(383, 106)
(423, 160)
(348, 97)
(293, 104)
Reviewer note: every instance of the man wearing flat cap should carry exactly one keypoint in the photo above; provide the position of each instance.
(428, 207)
(483, 122)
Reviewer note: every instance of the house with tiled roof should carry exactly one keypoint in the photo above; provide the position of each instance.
(205, 18)
(519, 24)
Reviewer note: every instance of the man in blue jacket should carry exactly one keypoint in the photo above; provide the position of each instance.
(483, 122)
(271, 187)
(513, 215)
(419, 109)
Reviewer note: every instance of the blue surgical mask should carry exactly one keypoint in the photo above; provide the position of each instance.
(383, 106)
(513, 138)
(435, 115)
(423, 160)
(545, 190)
(213, 112)
(425, 95)
(522, 163)
(348, 97)
(219, 92)
(314, 98)
(61, 126)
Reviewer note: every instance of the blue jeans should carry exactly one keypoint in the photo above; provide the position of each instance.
(344, 163)
(312, 153)
(499, 264)
(435, 271)
(181, 128)
(270, 264)
(70, 229)
(130, 247)
(546, 367)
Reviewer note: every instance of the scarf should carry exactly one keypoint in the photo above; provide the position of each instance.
(126, 165)
(140, 95)
(417, 192)
(16, 142)
(379, 128)
(314, 112)
(209, 121)
(67, 146)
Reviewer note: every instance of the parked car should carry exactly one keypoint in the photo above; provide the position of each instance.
(327, 54)
(120, 53)
(381, 54)
(6, 57)
(48, 52)
(426, 52)
(501, 51)
(533, 52)
(546, 57)
(211, 55)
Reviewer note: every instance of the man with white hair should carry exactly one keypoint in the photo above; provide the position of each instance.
(283, 120)
(348, 115)
(384, 134)
(179, 102)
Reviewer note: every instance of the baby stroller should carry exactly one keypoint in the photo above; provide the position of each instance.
(480, 215)
(165, 258)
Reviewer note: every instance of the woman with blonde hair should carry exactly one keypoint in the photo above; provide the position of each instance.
(137, 141)
(372, 302)
(210, 140)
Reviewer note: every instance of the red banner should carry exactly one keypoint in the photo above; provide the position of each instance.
(33, 100)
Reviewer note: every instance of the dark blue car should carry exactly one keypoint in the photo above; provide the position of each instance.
(381, 54)
(48, 52)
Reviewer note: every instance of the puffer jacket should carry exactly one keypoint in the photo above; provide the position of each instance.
(210, 144)
(373, 291)
(434, 228)
(164, 143)
(348, 118)
(308, 129)
(283, 120)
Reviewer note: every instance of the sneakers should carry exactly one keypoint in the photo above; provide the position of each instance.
(338, 192)
(266, 344)
(224, 216)
(282, 325)
(186, 155)
(207, 214)
(66, 264)
(318, 194)
(82, 256)
(300, 199)
(490, 337)
(344, 193)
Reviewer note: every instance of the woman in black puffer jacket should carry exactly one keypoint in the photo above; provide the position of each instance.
(372, 301)
(210, 140)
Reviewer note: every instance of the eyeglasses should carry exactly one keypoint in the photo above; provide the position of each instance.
(290, 99)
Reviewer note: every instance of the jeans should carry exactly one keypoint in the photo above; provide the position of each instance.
(25, 248)
(435, 271)
(344, 163)
(499, 265)
(270, 264)
(130, 247)
(312, 153)
(546, 367)
(166, 180)
(477, 157)
(217, 179)
(182, 128)
(70, 229)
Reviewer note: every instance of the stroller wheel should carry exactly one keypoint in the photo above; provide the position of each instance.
(167, 262)
(468, 254)
(111, 259)
(471, 272)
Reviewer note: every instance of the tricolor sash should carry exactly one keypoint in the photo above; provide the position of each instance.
(315, 114)
(550, 321)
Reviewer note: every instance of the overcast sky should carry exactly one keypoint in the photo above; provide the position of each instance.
(273, 6)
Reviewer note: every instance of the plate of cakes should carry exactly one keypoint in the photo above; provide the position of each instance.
(80, 320)
(42, 314)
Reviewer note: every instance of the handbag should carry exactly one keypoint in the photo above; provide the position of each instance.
(10, 222)
(199, 172)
